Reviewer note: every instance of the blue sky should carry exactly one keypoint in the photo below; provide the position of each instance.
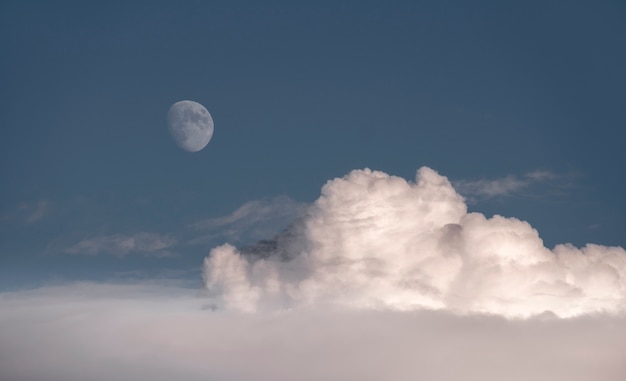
(520, 105)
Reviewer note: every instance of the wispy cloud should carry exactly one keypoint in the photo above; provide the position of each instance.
(504, 186)
(248, 223)
(34, 212)
(146, 244)
(253, 220)
(27, 213)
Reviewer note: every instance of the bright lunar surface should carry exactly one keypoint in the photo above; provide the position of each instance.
(190, 124)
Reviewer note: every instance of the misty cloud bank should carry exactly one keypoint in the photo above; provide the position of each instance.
(377, 242)
(104, 332)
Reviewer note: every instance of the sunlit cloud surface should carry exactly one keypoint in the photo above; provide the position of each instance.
(375, 241)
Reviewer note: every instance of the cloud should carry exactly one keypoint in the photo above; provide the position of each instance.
(35, 212)
(375, 241)
(505, 186)
(150, 331)
(27, 212)
(248, 223)
(251, 221)
(379, 279)
(147, 244)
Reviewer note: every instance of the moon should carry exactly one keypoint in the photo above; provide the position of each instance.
(190, 124)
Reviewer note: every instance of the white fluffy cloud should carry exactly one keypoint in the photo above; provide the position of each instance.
(375, 241)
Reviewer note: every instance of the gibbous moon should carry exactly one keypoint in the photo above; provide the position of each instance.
(190, 124)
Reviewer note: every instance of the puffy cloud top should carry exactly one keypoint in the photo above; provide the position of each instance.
(375, 241)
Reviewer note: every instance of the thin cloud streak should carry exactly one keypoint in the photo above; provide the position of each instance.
(505, 186)
(251, 221)
(27, 213)
(120, 245)
(35, 212)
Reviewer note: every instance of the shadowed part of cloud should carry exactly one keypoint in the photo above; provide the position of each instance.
(505, 186)
(375, 241)
(146, 244)
(251, 221)
(105, 332)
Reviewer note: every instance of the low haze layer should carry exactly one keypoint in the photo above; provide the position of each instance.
(105, 332)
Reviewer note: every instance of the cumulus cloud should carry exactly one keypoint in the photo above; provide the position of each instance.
(378, 242)
(105, 332)
(489, 188)
(144, 243)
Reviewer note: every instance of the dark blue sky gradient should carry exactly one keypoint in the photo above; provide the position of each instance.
(300, 93)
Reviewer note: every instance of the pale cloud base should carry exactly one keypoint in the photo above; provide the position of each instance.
(128, 332)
